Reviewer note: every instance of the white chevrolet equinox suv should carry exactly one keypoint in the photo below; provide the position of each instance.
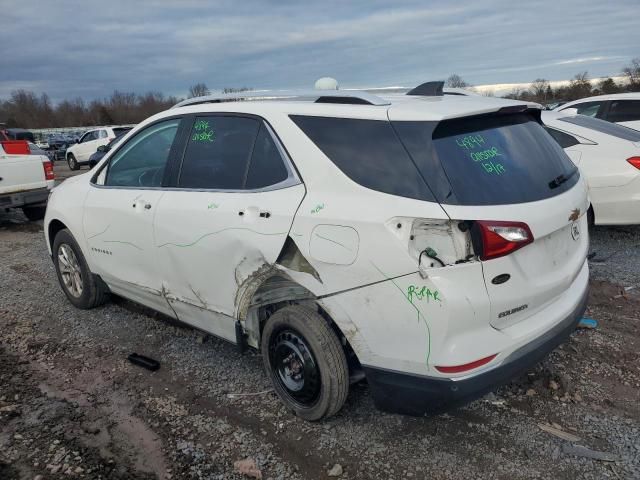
(434, 245)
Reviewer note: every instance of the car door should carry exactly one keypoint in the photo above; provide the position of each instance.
(119, 210)
(87, 142)
(625, 112)
(231, 211)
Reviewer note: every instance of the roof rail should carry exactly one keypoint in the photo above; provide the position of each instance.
(428, 89)
(318, 96)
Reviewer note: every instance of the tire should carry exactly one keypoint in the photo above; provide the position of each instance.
(34, 213)
(300, 336)
(591, 217)
(73, 163)
(92, 292)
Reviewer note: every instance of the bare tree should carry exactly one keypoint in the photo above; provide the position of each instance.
(632, 72)
(579, 86)
(539, 90)
(198, 90)
(456, 81)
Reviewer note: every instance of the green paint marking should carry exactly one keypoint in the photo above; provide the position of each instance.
(420, 316)
(421, 293)
(212, 206)
(319, 207)
(472, 142)
(203, 136)
(201, 125)
(185, 245)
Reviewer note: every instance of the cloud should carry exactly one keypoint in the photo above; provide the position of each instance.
(89, 49)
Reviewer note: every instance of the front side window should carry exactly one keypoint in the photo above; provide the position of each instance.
(218, 152)
(624, 111)
(141, 161)
(590, 109)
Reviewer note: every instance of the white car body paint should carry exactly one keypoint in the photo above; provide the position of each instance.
(88, 145)
(191, 255)
(614, 184)
(608, 111)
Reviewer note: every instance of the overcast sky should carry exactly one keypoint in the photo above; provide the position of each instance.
(89, 48)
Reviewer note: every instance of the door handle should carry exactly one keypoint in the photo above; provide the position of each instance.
(147, 206)
(265, 214)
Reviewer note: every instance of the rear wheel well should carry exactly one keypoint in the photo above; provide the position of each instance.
(54, 227)
(277, 292)
(591, 216)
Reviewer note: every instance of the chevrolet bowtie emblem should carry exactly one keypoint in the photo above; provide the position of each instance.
(575, 214)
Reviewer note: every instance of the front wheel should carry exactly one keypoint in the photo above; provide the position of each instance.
(80, 286)
(73, 163)
(305, 361)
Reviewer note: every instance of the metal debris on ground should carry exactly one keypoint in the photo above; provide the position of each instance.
(580, 451)
(569, 437)
(144, 362)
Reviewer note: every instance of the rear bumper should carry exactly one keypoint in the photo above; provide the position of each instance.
(28, 197)
(409, 394)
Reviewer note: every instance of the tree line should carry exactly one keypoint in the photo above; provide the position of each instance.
(580, 86)
(25, 109)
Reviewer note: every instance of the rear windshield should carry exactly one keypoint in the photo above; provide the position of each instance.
(488, 160)
(603, 126)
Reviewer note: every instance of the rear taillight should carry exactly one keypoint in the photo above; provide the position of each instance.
(499, 238)
(635, 161)
(16, 147)
(48, 171)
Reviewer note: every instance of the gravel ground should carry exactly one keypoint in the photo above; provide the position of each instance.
(72, 406)
(617, 255)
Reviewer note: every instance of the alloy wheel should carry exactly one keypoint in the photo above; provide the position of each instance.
(70, 270)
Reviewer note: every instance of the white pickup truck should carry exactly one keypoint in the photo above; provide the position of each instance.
(25, 178)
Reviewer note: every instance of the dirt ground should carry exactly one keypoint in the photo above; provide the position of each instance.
(72, 406)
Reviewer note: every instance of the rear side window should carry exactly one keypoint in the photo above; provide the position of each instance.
(489, 160)
(564, 139)
(624, 111)
(603, 126)
(267, 165)
(218, 152)
(368, 152)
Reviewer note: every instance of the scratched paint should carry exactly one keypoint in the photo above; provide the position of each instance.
(422, 293)
(421, 317)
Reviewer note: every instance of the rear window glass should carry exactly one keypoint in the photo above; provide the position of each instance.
(603, 126)
(489, 160)
(564, 139)
(368, 152)
(267, 166)
(624, 111)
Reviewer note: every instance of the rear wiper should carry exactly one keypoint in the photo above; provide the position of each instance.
(560, 179)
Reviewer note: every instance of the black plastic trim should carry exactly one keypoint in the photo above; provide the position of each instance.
(416, 395)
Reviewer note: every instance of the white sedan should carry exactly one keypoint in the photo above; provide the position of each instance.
(608, 156)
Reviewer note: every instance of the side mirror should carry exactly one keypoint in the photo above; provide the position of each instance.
(77, 140)
(103, 148)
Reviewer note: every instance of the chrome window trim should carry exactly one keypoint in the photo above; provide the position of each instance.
(292, 179)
